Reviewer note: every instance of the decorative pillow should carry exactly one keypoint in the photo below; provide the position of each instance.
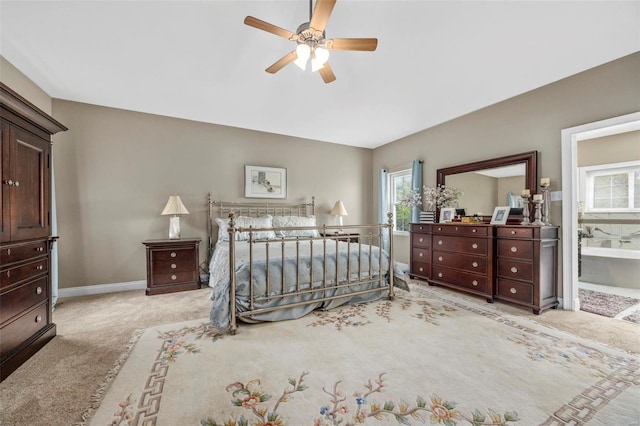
(246, 222)
(289, 221)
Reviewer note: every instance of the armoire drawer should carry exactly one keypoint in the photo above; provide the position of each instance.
(22, 328)
(23, 272)
(19, 299)
(19, 252)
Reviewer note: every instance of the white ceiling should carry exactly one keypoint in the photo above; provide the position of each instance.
(436, 60)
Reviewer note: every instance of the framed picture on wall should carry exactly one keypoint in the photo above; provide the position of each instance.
(447, 214)
(500, 215)
(265, 182)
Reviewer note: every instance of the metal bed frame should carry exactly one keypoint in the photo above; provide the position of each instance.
(372, 235)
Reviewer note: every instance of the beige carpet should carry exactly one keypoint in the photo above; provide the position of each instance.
(55, 387)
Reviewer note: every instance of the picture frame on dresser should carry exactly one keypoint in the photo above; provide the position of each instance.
(447, 214)
(500, 215)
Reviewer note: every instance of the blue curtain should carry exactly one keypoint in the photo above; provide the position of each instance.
(416, 183)
(54, 231)
(383, 203)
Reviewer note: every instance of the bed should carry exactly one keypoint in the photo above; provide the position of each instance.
(272, 262)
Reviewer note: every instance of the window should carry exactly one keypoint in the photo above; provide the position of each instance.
(611, 187)
(399, 186)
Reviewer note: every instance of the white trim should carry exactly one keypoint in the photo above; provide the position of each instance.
(101, 288)
(570, 137)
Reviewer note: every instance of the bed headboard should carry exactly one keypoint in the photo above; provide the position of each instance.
(253, 209)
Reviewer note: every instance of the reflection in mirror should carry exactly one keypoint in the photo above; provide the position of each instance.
(491, 183)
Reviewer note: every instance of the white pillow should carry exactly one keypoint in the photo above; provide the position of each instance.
(289, 221)
(246, 222)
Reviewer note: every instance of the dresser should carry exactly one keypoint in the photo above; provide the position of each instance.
(526, 266)
(26, 323)
(172, 265)
(512, 263)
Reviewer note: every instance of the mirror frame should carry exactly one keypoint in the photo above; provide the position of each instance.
(530, 160)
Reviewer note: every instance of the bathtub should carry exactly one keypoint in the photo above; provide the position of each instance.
(610, 266)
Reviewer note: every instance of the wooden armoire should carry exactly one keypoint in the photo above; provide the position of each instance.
(25, 229)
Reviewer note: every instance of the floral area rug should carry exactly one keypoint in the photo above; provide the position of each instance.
(426, 357)
(608, 305)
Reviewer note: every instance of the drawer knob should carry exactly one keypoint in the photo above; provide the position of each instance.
(474, 246)
(8, 252)
(513, 232)
(173, 254)
(513, 290)
(40, 249)
(439, 228)
(474, 264)
(514, 249)
(38, 318)
(420, 254)
(440, 258)
(456, 228)
(421, 228)
(440, 274)
(421, 240)
(439, 242)
(421, 269)
(474, 282)
(173, 266)
(514, 269)
(474, 230)
(173, 277)
(8, 274)
(39, 290)
(39, 267)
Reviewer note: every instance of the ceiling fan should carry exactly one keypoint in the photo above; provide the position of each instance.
(311, 41)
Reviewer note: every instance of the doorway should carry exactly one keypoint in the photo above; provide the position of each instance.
(570, 138)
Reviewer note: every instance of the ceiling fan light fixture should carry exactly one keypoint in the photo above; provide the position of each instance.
(320, 57)
(303, 51)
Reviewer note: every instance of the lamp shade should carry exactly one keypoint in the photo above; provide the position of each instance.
(338, 209)
(174, 206)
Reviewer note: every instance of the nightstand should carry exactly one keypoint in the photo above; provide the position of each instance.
(172, 265)
(342, 236)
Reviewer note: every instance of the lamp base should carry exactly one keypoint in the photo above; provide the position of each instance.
(174, 228)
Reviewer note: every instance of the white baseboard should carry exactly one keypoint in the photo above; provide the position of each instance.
(101, 288)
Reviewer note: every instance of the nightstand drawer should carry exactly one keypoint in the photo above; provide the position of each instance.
(172, 265)
(180, 264)
(173, 255)
(174, 278)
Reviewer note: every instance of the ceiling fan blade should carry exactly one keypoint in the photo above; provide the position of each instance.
(327, 73)
(368, 44)
(265, 26)
(321, 14)
(280, 63)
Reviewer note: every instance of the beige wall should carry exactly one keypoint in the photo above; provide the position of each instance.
(115, 170)
(531, 121)
(20, 83)
(610, 149)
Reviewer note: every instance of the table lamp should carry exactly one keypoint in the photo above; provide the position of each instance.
(174, 207)
(339, 210)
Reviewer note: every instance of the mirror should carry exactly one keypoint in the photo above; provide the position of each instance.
(487, 184)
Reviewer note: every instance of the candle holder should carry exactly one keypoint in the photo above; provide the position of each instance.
(525, 210)
(538, 213)
(545, 204)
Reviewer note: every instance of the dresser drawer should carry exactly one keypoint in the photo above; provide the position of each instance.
(178, 264)
(23, 272)
(515, 291)
(478, 246)
(22, 328)
(420, 228)
(515, 249)
(477, 283)
(420, 268)
(421, 240)
(22, 298)
(421, 255)
(475, 264)
(174, 278)
(471, 230)
(514, 232)
(20, 252)
(514, 269)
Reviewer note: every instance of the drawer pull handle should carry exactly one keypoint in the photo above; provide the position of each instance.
(173, 277)
(421, 240)
(474, 230)
(513, 290)
(440, 258)
(474, 282)
(173, 254)
(173, 266)
(474, 264)
(39, 267)
(8, 274)
(421, 269)
(513, 232)
(38, 318)
(474, 246)
(8, 252)
(440, 274)
(514, 249)
(420, 254)
(439, 242)
(40, 249)
(39, 290)
(514, 269)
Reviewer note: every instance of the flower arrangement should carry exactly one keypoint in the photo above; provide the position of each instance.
(439, 197)
(412, 198)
